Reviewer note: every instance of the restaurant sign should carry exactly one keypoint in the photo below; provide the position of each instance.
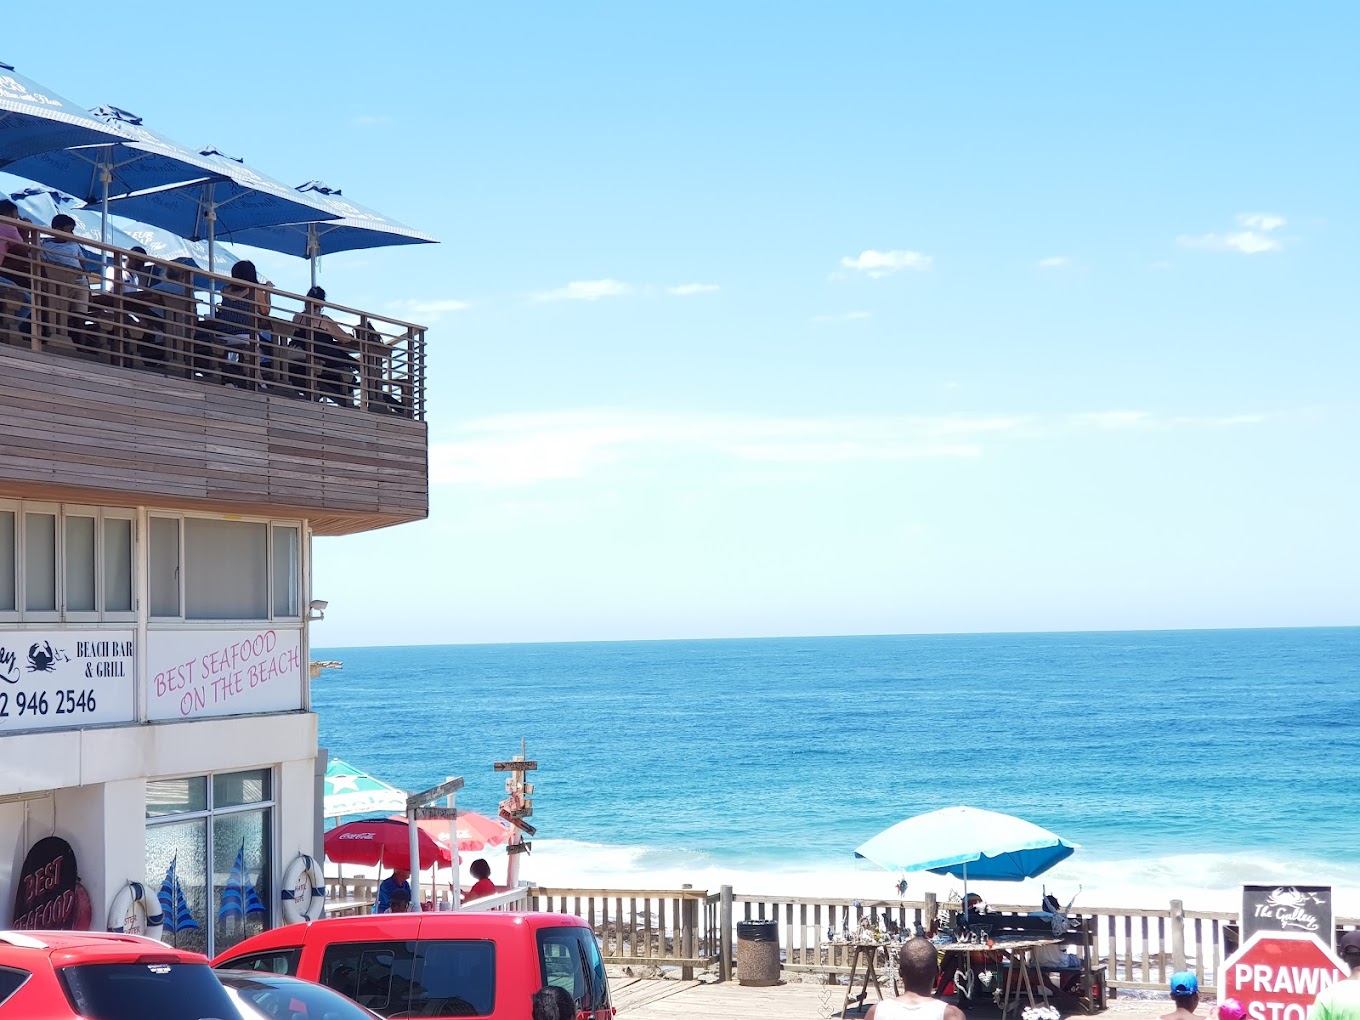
(49, 895)
(202, 674)
(65, 679)
(1288, 908)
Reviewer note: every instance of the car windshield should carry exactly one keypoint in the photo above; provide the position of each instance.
(274, 997)
(135, 991)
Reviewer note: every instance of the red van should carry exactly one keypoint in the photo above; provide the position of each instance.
(438, 964)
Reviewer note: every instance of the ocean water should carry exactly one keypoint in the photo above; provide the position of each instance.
(1183, 762)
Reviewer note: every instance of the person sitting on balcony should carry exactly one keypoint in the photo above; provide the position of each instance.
(245, 298)
(65, 268)
(14, 276)
(325, 339)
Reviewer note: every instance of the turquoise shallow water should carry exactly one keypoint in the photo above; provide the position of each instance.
(787, 753)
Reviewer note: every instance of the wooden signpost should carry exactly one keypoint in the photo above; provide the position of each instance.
(420, 805)
(516, 807)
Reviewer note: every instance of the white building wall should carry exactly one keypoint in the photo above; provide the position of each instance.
(88, 786)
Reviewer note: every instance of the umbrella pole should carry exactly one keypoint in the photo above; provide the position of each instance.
(105, 176)
(313, 249)
(212, 225)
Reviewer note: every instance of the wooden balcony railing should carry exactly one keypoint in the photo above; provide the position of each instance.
(129, 310)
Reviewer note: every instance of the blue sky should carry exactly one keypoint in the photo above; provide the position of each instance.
(809, 319)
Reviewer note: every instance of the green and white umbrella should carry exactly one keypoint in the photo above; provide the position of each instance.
(352, 792)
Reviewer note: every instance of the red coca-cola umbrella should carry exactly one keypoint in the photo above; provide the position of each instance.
(475, 831)
(384, 842)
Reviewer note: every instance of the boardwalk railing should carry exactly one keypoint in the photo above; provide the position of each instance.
(644, 927)
(1138, 948)
(129, 310)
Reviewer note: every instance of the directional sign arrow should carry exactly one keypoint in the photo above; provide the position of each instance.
(518, 823)
(435, 793)
(447, 813)
(518, 848)
(515, 766)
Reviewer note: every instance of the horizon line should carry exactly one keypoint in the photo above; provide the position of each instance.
(832, 637)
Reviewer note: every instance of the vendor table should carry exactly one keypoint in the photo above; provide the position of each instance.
(868, 952)
(1018, 953)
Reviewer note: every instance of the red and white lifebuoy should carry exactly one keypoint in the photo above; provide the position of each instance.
(304, 891)
(136, 912)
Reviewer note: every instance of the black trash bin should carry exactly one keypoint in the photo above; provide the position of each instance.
(758, 953)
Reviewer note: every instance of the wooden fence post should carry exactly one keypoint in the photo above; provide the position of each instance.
(930, 914)
(685, 935)
(725, 934)
(1177, 936)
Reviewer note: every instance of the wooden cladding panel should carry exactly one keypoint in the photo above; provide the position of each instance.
(80, 431)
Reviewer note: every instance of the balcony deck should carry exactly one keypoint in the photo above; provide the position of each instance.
(106, 411)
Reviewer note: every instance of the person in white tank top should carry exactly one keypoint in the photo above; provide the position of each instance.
(918, 965)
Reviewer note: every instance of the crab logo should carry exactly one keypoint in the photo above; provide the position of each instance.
(43, 658)
(1291, 909)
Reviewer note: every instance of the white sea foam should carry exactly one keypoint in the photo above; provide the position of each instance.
(1200, 881)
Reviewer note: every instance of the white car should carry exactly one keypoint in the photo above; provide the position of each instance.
(261, 996)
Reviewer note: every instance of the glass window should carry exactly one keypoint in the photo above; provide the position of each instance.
(374, 974)
(40, 562)
(286, 572)
(7, 562)
(226, 570)
(175, 796)
(569, 958)
(134, 991)
(454, 978)
(165, 566)
(176, 864)
(117, 565)
(11, 980)
(281, 961)
(232, 789)
(79, 555)
(241, 871)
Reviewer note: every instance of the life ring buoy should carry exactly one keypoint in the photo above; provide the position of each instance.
(134, 912)
(304, 891)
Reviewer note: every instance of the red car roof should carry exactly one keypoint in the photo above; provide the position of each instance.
(430, 925)
(72, 947)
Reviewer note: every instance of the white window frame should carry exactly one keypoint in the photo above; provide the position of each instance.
(270, 566)
(59, 582)
(21, 509)
(271, 805)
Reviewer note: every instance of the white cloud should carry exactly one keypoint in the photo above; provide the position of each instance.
(1257, 236)
(1054, 262)
(585, 290)
(427, 311)
(368, 120)
(844, 317)
(884, 263)
(523, 449)
(690, 289)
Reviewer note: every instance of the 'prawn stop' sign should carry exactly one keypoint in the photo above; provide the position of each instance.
(1277, 975)
(1297, 908)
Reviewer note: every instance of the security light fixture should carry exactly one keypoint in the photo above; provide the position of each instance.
(317, 609)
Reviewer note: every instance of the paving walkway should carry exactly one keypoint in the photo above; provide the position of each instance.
(656, 999)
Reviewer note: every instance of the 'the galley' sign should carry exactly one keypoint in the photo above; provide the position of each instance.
(198, 674)
(65, 679)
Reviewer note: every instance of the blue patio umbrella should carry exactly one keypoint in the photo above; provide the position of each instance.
(41, 204)
(141, 160)
(230, 199)
(36, 119)
(357, 227)
(966, 842)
